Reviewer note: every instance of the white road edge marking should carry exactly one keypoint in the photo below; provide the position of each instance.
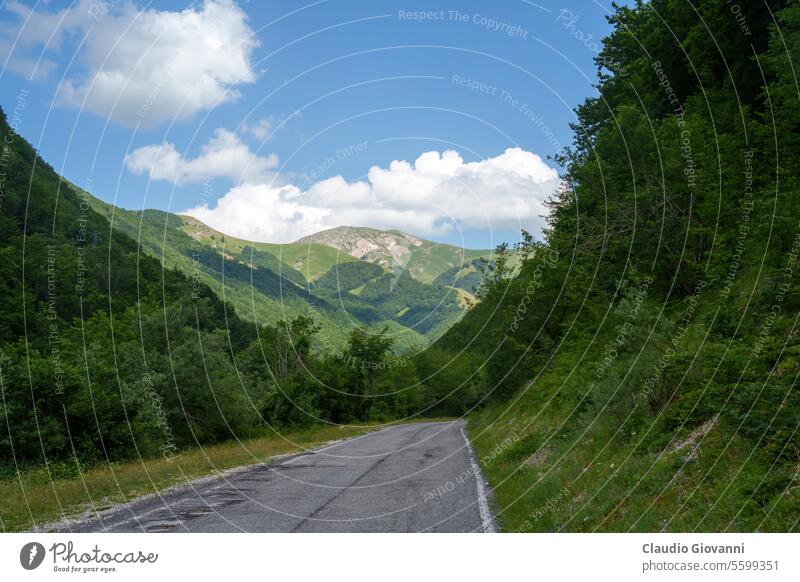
(483, 505)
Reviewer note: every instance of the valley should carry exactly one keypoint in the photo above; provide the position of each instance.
(345, 277)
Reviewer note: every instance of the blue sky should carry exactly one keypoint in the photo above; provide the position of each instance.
(265, 102)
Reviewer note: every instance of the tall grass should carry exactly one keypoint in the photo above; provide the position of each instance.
(36, 496)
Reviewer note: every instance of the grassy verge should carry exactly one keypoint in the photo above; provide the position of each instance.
(576, 453)
(32, 498)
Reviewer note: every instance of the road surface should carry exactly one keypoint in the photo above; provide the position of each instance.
(409, 478)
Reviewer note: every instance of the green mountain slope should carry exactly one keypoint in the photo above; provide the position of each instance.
(100, 346)
(413, 303)
(264, 293)
(311, 260)
(259, 281)
(467, 277)
(392, 249)
(349, 276)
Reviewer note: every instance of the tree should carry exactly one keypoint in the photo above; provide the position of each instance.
(366, 352)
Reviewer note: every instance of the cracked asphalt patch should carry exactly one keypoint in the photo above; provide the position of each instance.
(378, 482)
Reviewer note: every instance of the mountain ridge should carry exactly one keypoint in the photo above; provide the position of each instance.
(424, 260)
(267, 282)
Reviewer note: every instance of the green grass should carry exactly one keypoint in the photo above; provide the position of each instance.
(563, 457)
(311, 260)
(432, 259)
(32, 499)
(594, 485)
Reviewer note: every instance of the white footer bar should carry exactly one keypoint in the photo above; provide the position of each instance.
(407, 557)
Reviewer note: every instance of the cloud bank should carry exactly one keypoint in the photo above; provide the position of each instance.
(429, 197)
(141, 65)
(224, 155)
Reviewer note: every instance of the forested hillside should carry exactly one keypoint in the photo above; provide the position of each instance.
(640, 372)
(106, 354)
(261, 282)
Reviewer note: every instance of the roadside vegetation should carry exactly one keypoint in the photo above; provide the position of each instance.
(640, 372)
(38, 496)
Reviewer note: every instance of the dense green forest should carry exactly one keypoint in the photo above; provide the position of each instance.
(348, 276)
(641, 370)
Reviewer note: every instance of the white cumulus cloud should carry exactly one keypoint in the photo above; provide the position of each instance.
(224, 155)
(429, 197)
(141, 65)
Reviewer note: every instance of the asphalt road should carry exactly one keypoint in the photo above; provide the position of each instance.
(409, 478)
